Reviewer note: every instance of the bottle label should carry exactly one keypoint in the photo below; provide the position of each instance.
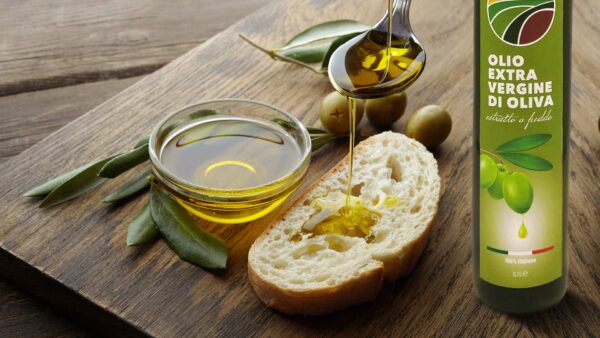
(521, 142)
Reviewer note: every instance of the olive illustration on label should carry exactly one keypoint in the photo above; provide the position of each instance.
(518, 192)
(488, 170)
(496, 189)
(513, 186)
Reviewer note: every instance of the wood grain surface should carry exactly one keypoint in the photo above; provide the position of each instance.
(33, 114)
(81, 245)
(28, 118)
(50, 44)
(24, 316)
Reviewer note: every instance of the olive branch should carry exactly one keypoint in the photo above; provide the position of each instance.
(514, 150)
(162, 216)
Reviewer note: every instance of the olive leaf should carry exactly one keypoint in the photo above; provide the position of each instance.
(295, 51)
(524, 143)
(316, 131)
(123, 162)
(528, 161)
(142, 228)
(274, 54)
(319, 141)
(333, 46)
(202, 113)
(307, 54)
(142, 141)
(76, 185)
(326, 30)
(46, 188)
(183, 235)
(131, 188)
(289, 126)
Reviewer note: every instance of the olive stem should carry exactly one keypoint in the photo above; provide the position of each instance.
(278, 56)
(492, 154)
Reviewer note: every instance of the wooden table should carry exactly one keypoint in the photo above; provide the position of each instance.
(438, 297)
(59, 59)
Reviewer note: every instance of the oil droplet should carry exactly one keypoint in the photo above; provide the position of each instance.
(523, 230)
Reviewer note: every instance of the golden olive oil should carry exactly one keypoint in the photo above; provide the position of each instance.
(237, 155)
(352, 217)
(376, 64)
(354, 220)
(352, 137)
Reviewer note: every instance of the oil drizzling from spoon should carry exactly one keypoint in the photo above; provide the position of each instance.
(380, 62)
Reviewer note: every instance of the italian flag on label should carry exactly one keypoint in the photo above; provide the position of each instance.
(521, 252)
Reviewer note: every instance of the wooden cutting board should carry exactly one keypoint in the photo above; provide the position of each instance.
(75, 257)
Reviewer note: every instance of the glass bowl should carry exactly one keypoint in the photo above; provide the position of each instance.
(217, 203)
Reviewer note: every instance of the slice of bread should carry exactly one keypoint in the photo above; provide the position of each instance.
(296, 272)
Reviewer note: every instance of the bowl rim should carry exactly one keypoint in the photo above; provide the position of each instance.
(196, 190)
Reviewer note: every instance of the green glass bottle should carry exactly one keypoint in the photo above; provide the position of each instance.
(521, 142)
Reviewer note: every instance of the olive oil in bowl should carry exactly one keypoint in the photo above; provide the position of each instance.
(230, 153)
(230, 168)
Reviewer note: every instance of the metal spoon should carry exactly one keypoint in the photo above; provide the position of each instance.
(376, 63)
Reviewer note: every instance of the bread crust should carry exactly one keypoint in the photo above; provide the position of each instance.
(362, 288)
(402, 265)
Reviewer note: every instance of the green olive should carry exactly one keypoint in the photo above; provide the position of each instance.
(429, 125)
(518, 192)
(335, 114)
(383, 112)
(496, 189)
(488, 171)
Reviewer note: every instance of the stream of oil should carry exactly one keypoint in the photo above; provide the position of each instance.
(352, 108)
(352, 101)
(376, 64)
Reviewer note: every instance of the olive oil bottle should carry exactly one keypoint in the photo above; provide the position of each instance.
(521, 142)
